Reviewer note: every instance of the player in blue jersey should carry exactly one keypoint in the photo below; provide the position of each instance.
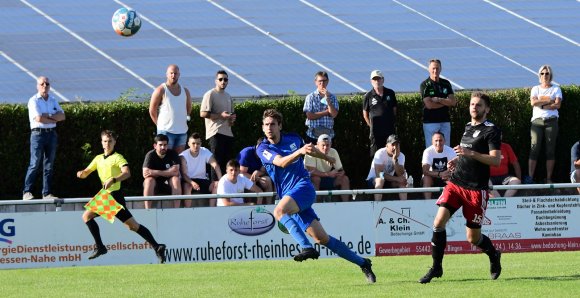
(283, 157)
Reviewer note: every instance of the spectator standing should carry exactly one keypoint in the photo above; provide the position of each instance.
(161, 170)
(500, 175)
(323, 174)
(169, 109)
(194, 174)
(438, 96)
(251, 167)
(43, 114)
(546, 99)
(320, 107)
(218, 110)
(112, 169)
(234, 182)
(575, 164)
(388, 168)
(434, 163)
(468, 187)
(379, 111)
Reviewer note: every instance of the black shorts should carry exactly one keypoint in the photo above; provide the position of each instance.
(124, 214)
(203, 186)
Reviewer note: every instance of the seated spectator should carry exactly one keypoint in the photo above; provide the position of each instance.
(234, 182)
(500, 175)
(161, 170)
(194, 175)
(251, 167)
(434, 163)
(575, 167)
(324, 175)
(388, 165)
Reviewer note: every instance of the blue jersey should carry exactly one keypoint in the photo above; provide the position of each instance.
(248, 158)
(293, 175)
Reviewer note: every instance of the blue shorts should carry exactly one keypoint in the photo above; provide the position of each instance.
(175, 140)
(304, 195)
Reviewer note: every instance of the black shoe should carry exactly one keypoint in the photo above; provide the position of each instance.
(305, 254)
(495, 265)
(160, 252)
(100, 250)
(433, 272)
(368, 271)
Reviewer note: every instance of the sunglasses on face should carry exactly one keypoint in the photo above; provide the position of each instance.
(545, 73)
(44, 84)
(223, 79)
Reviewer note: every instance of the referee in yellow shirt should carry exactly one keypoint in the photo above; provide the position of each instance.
(112, 169)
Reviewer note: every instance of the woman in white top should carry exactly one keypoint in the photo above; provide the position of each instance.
(545, 99)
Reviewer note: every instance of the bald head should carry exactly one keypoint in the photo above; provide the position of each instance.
(172, 74)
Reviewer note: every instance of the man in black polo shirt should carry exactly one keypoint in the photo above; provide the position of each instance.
(379, 111)
(437, 95)
(468, 187)
(161, 170)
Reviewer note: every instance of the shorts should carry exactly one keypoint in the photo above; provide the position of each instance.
(175, 140)
(203, 186)
(124, 214)
(500, 180)
(327, 183)
(162, 186)
(573, 177)
(304, 195)
(474, 203)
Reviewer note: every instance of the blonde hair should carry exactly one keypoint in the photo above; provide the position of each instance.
(549, 69)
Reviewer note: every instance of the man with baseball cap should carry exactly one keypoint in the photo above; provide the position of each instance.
(323, 174)
(379, 111)
(388, 165)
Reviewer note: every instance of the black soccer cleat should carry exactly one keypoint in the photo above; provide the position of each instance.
(495, 265)
(433, 272)
(160, 252)
(307, 253)
(100, 250)
(368, 271)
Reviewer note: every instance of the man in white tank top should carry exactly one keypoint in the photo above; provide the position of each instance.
(169, 109)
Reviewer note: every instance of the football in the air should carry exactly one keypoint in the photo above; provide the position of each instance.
(126, 22)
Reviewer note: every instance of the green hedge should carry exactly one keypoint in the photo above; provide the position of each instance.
(79, 137)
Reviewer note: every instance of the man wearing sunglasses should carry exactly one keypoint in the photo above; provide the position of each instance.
(43, 113)
(218, 110)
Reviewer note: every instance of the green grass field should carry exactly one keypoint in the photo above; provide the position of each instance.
(554, 274)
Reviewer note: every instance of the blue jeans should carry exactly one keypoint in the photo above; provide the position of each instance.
(430, 128)
(42, 148)
(175, 140)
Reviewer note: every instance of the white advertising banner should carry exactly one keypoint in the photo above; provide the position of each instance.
(50, 239)
(513, 224)
(53, 239)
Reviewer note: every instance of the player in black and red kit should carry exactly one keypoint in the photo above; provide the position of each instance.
(468, 187)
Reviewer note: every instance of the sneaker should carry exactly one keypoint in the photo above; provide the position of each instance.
(433, 272)
(160, 252)
(368, 271)
(49, 197)
(495, 265)
(100, 250)
(307, 253)
(27, 196)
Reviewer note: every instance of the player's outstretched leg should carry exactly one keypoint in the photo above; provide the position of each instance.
(438, 243)
(144, 232)
(100, 249)
(308, 252)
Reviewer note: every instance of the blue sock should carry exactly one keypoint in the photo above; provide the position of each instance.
(295, 231)
(339, 248)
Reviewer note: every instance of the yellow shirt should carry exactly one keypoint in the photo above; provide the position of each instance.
(108, 167)
(321, 164)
